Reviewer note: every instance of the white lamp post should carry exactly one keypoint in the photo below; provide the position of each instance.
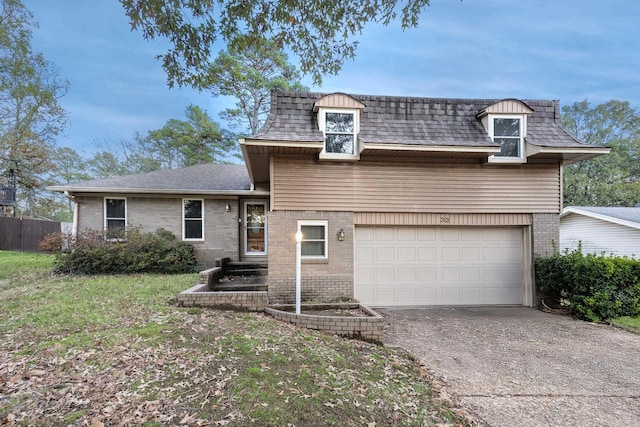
(298, 255)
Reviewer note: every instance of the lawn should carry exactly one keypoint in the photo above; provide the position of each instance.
(629, 323)
(115, 350)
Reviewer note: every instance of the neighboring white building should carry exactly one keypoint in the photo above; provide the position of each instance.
(601, 229)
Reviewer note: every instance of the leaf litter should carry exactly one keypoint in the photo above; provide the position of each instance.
(214, 368)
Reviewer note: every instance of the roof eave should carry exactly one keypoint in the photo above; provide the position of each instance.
(568, 155)
(165, 191)
(573, 210)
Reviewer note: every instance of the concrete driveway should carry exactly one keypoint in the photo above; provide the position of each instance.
(517, 366)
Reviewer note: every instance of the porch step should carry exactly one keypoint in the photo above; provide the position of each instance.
(246, 268)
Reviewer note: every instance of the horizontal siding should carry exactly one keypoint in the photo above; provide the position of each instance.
(406, 218)
(598, 236)
(378, 187)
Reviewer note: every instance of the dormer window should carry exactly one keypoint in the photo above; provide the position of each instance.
(507, 131)
(506, 123)
(339, 122)
(339, 132)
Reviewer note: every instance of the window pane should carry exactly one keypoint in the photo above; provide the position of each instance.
(338, 143)
(193, 229)
(312, 232)
(506, 127)
(115, 228)
(115, 208)
(510, 147)
(339, 122)
(312, 248)
(193, 208)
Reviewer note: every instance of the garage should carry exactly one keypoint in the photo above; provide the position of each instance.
(422, 265)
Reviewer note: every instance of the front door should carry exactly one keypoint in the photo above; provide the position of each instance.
(255, 224)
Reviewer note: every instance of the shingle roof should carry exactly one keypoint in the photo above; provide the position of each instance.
(631, 215)
(409, 120)
(205, 178)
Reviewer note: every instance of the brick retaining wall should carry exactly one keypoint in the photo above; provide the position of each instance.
(198, 296)
(369, 328)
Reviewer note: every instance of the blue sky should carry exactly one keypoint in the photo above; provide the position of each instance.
(569, 50)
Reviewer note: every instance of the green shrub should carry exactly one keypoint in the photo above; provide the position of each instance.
(90, 253)
(596, 286)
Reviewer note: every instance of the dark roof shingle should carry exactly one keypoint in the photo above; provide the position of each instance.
(410, 120)
(199, 178)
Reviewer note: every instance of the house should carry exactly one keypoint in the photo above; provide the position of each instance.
(609, 230)
(401, 201)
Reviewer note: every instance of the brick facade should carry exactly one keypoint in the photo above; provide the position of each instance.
(545, 232)
(321, 280)
(221, 228)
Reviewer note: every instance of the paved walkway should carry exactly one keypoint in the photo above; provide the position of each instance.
(517, 366)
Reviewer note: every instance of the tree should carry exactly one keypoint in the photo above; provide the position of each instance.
(30, 116)
(320, 33)
(249, 72)
(185, 143)
(609, 180)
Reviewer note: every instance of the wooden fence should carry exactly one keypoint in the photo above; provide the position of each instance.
(24, 234)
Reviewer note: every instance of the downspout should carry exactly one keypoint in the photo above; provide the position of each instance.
(74, 227)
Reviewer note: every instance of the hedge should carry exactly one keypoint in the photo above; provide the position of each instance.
(597, 287)
(136, 252)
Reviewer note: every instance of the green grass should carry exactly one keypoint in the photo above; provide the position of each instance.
(629, 323)
(12, 263)
(115, 349)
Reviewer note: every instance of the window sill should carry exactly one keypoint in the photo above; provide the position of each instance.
(507, 160)
(337, 156)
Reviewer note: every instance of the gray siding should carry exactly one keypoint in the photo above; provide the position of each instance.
(598, 236)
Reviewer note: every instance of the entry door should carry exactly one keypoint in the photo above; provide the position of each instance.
(255, 224)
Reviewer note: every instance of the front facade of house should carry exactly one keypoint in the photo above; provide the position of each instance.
(608, 230)
(401, 201)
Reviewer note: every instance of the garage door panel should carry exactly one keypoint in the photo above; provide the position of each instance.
(427, 274)
(426, 234)
(407, 254)
(427, 254)
(385, 254)
(406, 274)
(412, 265)
(385, 275)
(406, 234)
(492, 254)
(383, 234)
(450, 254)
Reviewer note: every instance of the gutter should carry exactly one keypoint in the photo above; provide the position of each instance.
(176, 191)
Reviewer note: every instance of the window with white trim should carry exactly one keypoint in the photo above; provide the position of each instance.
(508, 131)
(192, 219)
(115, 217)
(340, 129)
(314, 239)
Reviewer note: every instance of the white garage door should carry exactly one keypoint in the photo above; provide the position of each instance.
(406, 265)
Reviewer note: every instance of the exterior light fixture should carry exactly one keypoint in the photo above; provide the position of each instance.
(341, 235)
(298, 267)
(227, 208)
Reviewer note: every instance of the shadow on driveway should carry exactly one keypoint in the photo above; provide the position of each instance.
(518, 366)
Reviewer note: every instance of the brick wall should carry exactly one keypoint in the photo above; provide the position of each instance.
(370, 328)
(220, 227)
(321, 280)
(200, 296)
(545, 232)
